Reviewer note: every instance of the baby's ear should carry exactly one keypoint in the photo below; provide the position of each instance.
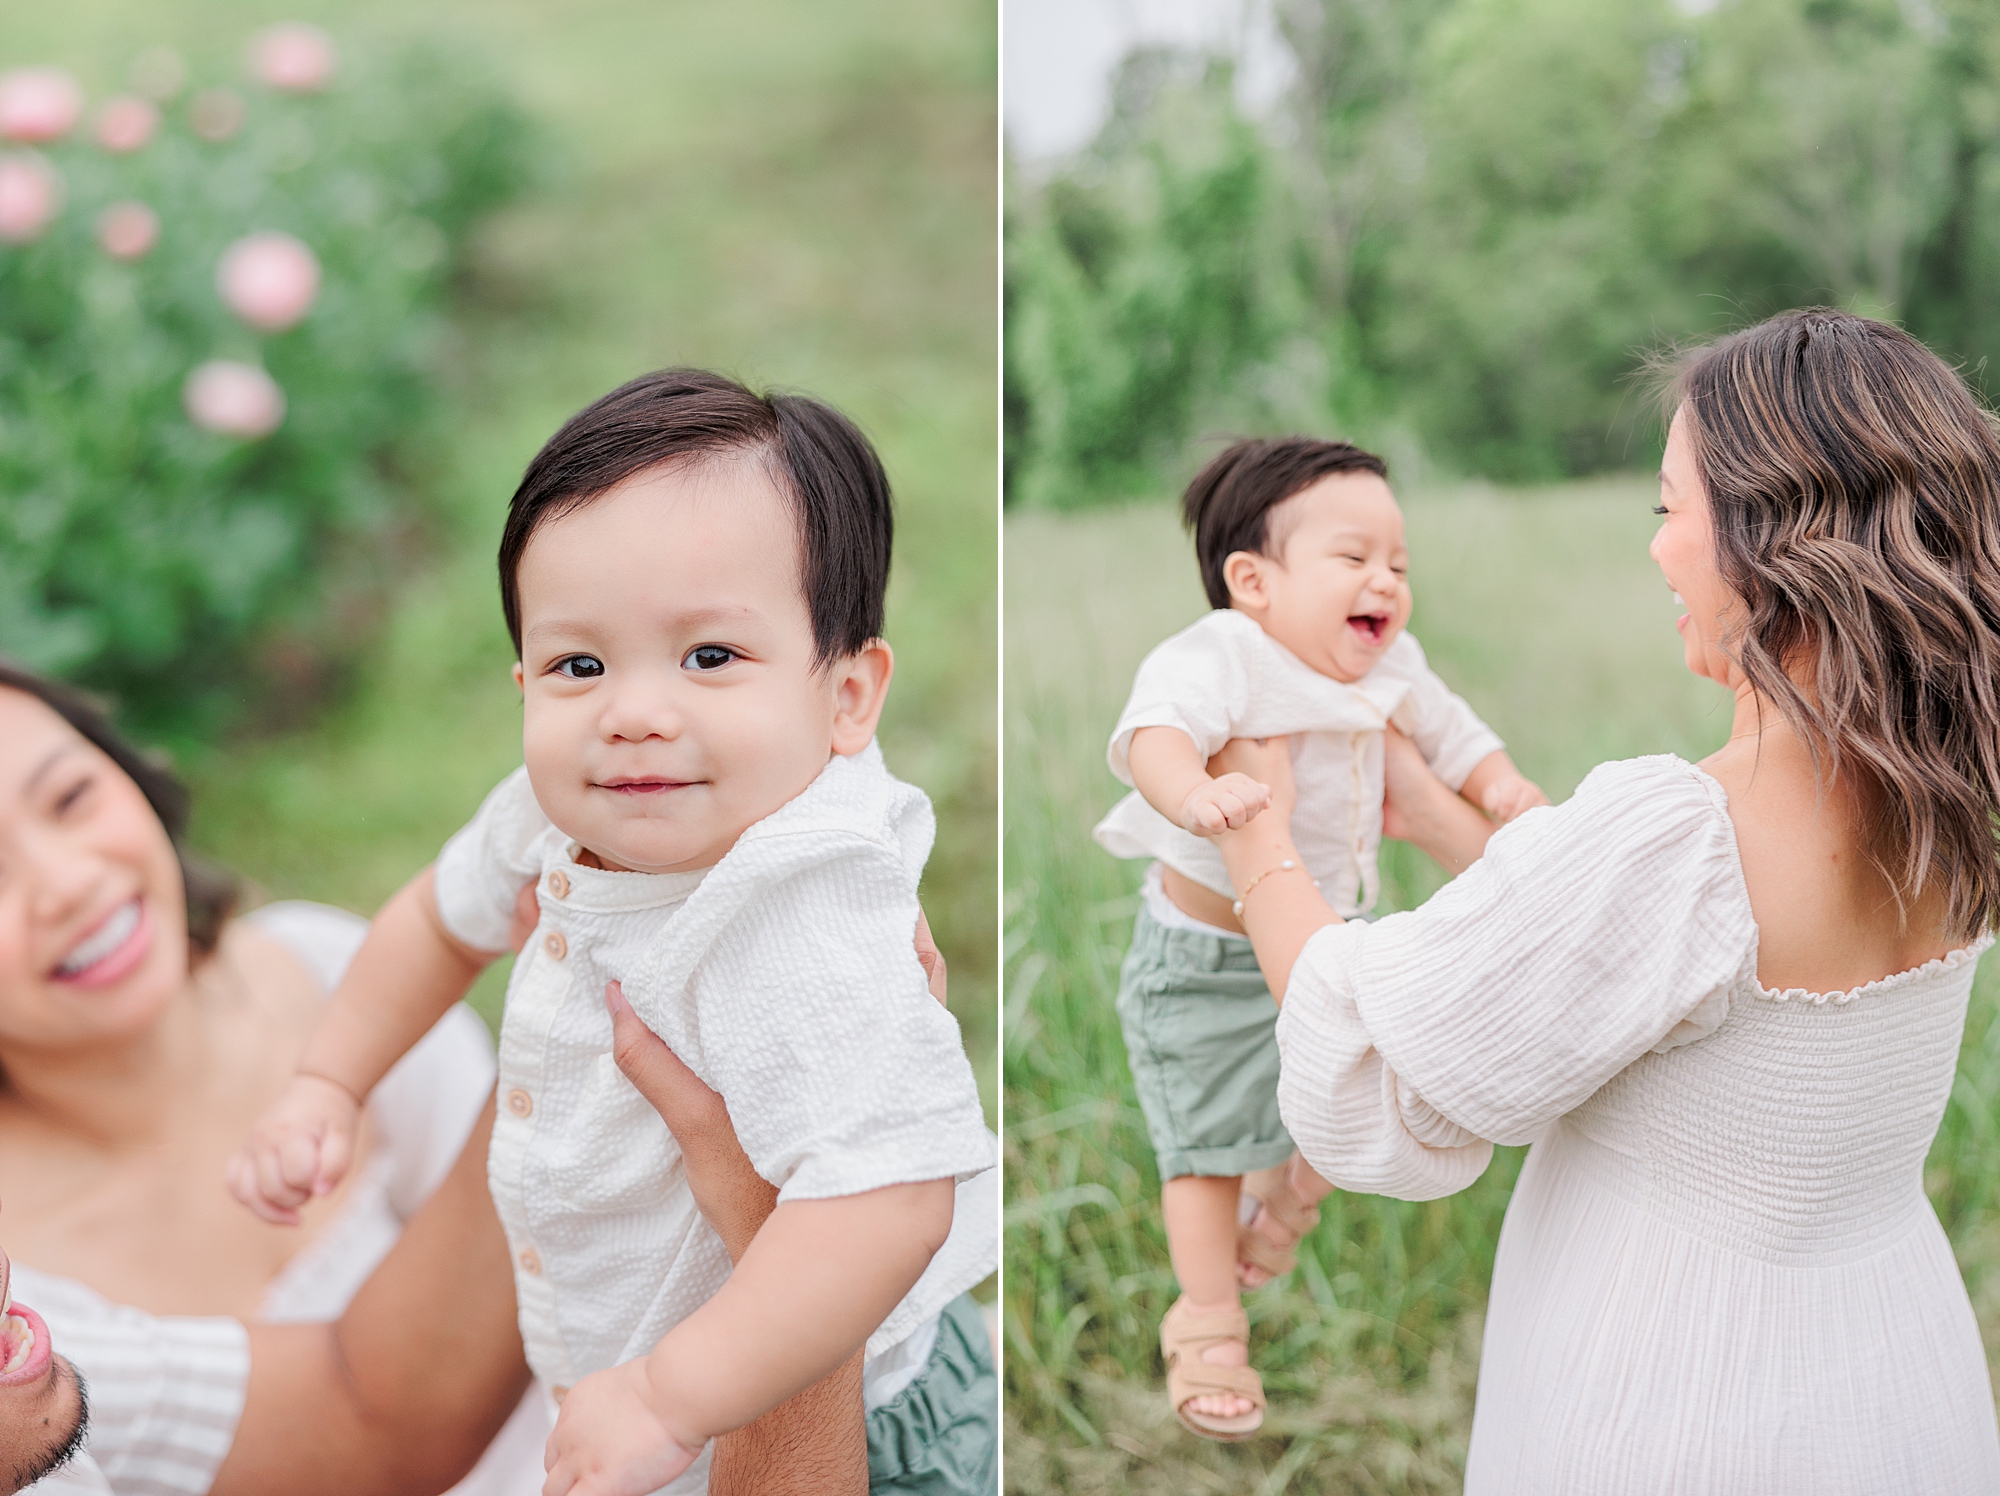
(520, 678)
(860, 686)
(1243, 573)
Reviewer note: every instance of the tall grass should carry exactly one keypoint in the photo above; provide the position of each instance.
(1543, 610)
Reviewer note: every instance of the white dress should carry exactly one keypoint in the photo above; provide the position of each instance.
(1719, 1273)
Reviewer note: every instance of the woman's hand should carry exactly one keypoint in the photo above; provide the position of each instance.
(1420, 808)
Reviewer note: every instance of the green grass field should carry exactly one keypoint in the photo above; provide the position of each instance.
(795, 193)
(1543, 610)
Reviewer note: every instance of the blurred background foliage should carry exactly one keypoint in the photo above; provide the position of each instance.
(163, 563)
(1470, 217)
(797, 194)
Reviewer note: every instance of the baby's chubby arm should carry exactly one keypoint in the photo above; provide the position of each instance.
(1169, 771)
(1500, 789)
(816, 1280)
(408, 972)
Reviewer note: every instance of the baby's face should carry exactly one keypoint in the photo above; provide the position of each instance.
(669, 695)
(1338, 592)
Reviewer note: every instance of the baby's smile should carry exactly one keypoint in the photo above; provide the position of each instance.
(1373, 627)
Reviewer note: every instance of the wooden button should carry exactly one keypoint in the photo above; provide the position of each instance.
(555, 945)
(519, 1102)
(531, 1260)
(559, 883)
(559, 1393)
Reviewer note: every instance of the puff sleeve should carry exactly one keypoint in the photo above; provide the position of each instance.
(1588, 935)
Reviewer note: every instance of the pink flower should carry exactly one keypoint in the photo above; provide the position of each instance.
(30, 195)
(215, 114)
(233, 399)
(126, 231)
(38, 103)
(269, 280)
(293, 57)
(126, 123)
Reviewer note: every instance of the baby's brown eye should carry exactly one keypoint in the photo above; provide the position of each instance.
(708, 657)
(580, 667)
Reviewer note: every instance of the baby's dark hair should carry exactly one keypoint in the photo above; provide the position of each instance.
(817, 458)
(1229, 504)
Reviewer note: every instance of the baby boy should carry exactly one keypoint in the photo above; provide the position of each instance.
(693, 577)
(1302, 555)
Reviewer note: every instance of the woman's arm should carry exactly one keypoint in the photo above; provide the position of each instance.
(1277, 900)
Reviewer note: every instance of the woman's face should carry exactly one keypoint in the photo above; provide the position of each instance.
(93, 916)
(1684, 549)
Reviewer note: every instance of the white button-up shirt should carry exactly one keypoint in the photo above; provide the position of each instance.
(785, 977)
(1223, 677)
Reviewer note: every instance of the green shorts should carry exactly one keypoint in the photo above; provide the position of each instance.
(940, 1436)
(1201, 1032)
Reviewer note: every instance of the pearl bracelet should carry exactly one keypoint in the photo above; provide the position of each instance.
(1284, 867)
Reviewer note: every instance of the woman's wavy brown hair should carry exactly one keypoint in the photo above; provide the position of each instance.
(1854, 485)
(212, 893)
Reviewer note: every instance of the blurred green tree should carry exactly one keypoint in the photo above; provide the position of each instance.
(1484, 213)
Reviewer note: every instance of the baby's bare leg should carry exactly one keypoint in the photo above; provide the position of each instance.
(1200, 1215)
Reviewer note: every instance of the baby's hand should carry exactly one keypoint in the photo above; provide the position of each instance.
(299, 1148)
(1509, 796)
(609, 1440)
(1224, 803)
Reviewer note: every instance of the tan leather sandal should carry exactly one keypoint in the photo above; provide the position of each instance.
(1184, 1334)
(1273, 1192)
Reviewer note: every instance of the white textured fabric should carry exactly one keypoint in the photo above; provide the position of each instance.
(785, 977)
(1223, 677)
(165, 1398)
(1719, 1274)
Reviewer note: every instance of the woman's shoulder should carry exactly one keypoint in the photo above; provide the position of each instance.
(320, 937)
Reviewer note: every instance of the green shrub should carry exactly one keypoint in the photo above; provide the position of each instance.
(168, 564)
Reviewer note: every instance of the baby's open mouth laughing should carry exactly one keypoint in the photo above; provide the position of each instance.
(1373, 627)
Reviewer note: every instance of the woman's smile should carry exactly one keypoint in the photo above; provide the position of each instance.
(111, 951)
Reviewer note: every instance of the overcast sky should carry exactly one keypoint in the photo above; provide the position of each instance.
(1059, 55)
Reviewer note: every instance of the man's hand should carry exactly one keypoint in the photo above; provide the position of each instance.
(610, 1440)
(730, 1194)
(299, 1148)
(1225, 803)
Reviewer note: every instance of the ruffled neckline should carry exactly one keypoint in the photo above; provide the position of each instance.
(1965, 955)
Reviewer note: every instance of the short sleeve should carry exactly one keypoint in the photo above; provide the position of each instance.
(1198, 681)
(484, 867)
(1588, 935)
(843, 1074)
(166, 1392)
(1446, 730)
